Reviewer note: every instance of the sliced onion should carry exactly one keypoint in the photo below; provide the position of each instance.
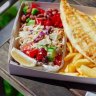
(41, 34)
(37, 40)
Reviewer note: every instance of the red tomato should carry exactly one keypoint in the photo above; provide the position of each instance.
(42, 53)
(53, 19)
(31, 53)
(39, 57)
(34, 5)
(47, 22)
(60, 25)
(58, 60)
(41, 11)
(56, 20)
(56, 24)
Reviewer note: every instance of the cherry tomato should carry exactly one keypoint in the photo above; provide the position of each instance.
(34, 5)
(41, 11)
(56, 24)
(60, 25)
(31, 53)
(56, 20)
(58, 60)
(53, 19)
(39, 57)
(47, 22)
(42, 53)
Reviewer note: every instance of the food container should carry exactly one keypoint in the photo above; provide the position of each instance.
(15, 69)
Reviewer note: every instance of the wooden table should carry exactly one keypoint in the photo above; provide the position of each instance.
(36, 86)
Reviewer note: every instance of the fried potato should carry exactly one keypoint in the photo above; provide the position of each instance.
(83, 76)
(69, 56)
(76, 64)
(67, 62)
(94, 68)
(64, 66)
(70, 68)
(79, 71)
(86, 62)
(70, 74)
(62, 69)
(94, 18)
(76, 57)
(87, 71)
(69, 47)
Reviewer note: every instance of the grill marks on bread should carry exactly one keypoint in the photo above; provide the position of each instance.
(80, 29)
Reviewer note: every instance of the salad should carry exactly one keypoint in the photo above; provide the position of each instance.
(41, 39)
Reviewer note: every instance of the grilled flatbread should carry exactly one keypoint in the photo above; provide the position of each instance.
(80, 29)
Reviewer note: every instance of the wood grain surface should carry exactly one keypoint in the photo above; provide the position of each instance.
(86, 2)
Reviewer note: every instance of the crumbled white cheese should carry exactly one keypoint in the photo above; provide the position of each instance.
(49, 68)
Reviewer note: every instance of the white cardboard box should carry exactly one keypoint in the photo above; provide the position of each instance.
(15, 69)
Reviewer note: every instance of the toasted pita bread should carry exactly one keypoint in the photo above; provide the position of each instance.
(80, 29)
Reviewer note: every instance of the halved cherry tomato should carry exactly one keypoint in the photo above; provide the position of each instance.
(47, 22)
(58, 60)
(56, 20)
(60, 25)
(39, 57)
(42, 53)
(31, 53)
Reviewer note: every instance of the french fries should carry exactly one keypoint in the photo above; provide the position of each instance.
(77, 65)
(86, 62)
(69, 56)
(94, 18)
(77, 57)
(70, 47)
(70, 68)
(71, 74)
(88, 71)
(94, 68)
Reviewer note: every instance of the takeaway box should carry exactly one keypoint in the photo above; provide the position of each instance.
(16, 69)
